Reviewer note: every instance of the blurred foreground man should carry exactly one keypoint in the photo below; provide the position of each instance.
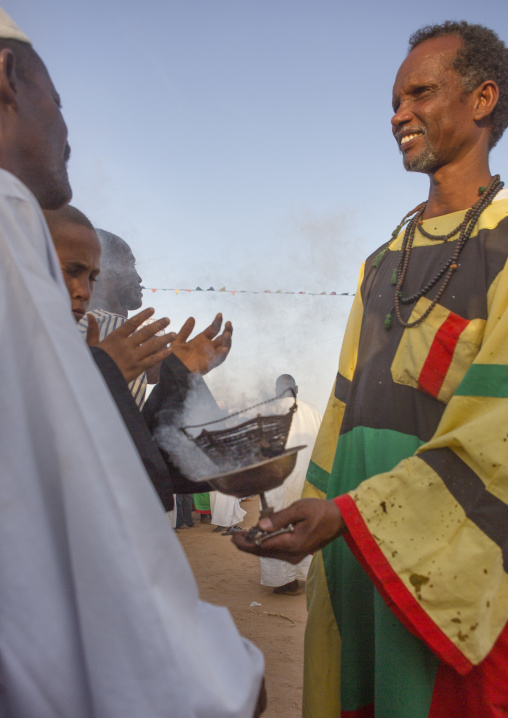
(99, 612)
(408, 600)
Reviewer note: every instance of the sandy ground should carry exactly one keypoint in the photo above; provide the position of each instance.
(230, 578)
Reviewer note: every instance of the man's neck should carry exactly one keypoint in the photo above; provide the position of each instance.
(456, 188)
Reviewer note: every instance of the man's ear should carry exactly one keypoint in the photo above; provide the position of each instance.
(487, 96)
(9, 80)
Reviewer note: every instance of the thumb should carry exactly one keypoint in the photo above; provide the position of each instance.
(276, 521)
(92, 333)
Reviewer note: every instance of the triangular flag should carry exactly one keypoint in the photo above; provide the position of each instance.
(210, 289)
(154, 290)
(233, 293)
(198, 289)
(222, 289)
(176, 291)
(333, 293)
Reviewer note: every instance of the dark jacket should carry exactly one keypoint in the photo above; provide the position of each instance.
(164, 404)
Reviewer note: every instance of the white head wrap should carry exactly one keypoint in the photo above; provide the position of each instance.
(9, 30)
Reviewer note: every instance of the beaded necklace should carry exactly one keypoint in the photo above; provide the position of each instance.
(414, 220)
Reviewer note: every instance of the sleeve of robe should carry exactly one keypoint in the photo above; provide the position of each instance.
(168, 396)
(99, 611)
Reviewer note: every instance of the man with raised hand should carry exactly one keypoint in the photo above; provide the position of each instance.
(408, 598)
(99, 611)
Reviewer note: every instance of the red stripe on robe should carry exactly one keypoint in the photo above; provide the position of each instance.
(440, 355)
(483, 693)
(396, 595)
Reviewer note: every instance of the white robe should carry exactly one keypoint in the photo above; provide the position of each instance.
(304, 429)
(226, 510)
(99, 612)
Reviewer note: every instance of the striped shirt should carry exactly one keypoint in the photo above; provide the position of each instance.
(108, 322)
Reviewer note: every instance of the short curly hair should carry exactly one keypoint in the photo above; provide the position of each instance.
(483, 56)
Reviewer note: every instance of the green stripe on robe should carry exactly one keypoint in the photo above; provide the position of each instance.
(318, 477)
(485, 380)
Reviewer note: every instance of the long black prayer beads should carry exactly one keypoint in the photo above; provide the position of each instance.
(449, 267)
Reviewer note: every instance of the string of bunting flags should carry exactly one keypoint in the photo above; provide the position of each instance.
(246, 291)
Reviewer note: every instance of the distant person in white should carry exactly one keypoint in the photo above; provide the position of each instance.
(226, 511)
(304, 428)
(99, 612)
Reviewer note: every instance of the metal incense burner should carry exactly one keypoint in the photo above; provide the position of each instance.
(252, 458)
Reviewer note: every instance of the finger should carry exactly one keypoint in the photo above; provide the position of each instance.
(225, 339)
(172, 336)
(186, 330)
(149, 347)
(285, 547)
(291, 515)
(92, 332)
(241, 542)
(150, 330)
(155, 358)
(131, 324)
(214, 328)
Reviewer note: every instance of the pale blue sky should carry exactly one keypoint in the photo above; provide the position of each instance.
(243, 143)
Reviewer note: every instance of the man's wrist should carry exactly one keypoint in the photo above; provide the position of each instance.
(341, 524)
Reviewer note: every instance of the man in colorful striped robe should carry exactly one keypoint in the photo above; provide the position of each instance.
(408, 596)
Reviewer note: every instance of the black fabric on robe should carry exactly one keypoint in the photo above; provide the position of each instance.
(169, 397)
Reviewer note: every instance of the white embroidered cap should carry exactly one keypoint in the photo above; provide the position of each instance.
(9, 30)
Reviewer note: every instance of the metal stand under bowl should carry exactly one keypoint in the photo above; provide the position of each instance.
(256, 479)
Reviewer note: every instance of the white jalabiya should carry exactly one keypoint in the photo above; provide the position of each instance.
(304, 429)
(99, 612)
(226, 510)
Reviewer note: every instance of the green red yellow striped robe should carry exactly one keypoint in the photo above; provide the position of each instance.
(408, 612)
